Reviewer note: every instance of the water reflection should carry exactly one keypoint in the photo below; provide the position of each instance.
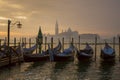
(58, 68)
(82, 70)
(68, 73)
(35, 65)
(106, 70)
(6, 73)
(62, 71)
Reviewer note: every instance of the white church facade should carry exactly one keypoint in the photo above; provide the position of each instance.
(69, 34)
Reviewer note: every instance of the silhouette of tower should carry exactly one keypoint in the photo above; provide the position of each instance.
(56, 28)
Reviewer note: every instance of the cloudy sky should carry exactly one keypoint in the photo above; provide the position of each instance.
(85, 16)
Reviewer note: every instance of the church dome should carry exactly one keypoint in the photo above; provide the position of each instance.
(69, 30)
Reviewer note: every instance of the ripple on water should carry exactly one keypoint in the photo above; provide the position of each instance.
(62, 71)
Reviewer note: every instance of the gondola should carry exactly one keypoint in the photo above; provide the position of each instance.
(35, 57)
(108, 53)
(29, 50)
(9, 56)
(85, 54)
(11, 51)
(44, 56)
(58, 47)
(66, 55)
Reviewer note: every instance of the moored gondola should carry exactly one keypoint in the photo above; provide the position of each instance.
(85, 54)
(66, 55)
(29, 50)
(108, 53)
(44, 56)
(35, 57)
(10, 56)
(63, 57)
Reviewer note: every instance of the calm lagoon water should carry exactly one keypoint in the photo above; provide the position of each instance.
(74, 70)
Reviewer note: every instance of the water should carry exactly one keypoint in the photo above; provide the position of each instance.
(74, 70)
(62, 71)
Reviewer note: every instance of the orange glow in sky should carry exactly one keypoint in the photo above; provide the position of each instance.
(85, 16)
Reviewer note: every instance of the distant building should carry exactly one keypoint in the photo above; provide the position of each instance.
(118, 35)
(89, 36)
(56, 28)
(68, 34)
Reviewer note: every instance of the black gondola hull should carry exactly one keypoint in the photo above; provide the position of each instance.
(107, 57)
(63, 58)
(86, 56)
(35, 58)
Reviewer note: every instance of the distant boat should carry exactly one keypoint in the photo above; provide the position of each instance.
(108, 53)
(85, 54)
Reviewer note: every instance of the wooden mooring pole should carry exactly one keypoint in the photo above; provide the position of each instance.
(25, 42)
(72, 40)
(119, 48)
(14, 42)
(79, 43)
(114, 43)
(0, 44)
(95, 46)
(52, 43)
(22, 40)
(36, 45)
(5, 41)
(45, 42)
(19, 55)
(29, 42)
(63, 44)
(10, 56)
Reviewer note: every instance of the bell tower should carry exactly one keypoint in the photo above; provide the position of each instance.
(56, 28)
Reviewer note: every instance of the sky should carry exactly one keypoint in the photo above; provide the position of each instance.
(85, 16)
